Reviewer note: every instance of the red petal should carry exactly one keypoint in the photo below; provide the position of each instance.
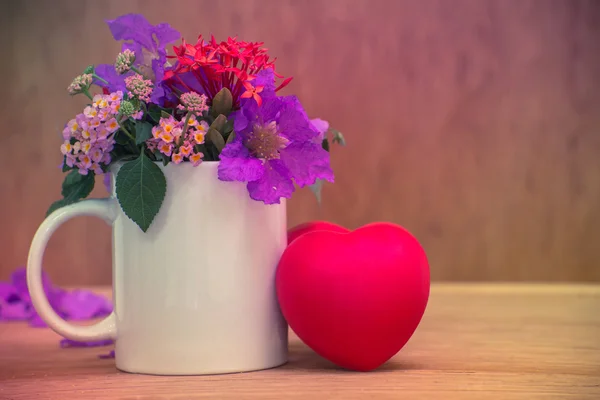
(284, 83)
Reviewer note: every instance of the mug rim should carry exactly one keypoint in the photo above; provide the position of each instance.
(184, 164)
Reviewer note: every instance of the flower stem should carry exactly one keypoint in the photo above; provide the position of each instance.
(100, 79)
(185, 128)
(87, 93)
(137, 71)
(129, 135)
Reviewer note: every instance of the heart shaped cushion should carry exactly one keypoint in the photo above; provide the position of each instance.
(312, 226)
(354, 297)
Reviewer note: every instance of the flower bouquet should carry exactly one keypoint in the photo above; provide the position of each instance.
(206, 102)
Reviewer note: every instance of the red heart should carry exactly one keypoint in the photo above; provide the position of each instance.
(355, 298)
(312, 226)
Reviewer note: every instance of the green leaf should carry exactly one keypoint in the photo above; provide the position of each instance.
(74, 188)
(143, 131)
(214, 153)
(228, 126)
(72, 181)
(141, 187)
(222, 103)
(317, 188)
(231, 137)
(121, 154)
(156, 112)
(121, 138)
(89, 69)
(216, 138)
(219, 123)
(154, 115)
(65, 167)
(56, 205)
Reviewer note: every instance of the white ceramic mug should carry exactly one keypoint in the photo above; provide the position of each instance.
(193, 295)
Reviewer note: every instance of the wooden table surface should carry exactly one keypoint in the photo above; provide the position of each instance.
(476, 341)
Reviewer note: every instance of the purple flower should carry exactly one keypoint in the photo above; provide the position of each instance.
(321, 126)
(148, 42)
(275, 146)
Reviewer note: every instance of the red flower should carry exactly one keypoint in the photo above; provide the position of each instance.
(213, 66)
(252, 91)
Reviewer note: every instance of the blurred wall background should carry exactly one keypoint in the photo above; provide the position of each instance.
(473, 123)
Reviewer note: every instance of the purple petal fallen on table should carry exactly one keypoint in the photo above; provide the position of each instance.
(75, 305)
(13, 311)
(75, 343)
(37, 322)
(19, 281)
(79, 304)
(83, 305)
(7, 292)
(109, 355)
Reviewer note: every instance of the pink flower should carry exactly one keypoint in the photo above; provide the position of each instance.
(199, 133)
(165, 148)
(186, 150)
(79, 84)
(104, 114)
(124, 61)
(90, 112)
(115, 97)
(177, 158)
(66, 148)
(95, 122)
(70, 160)
(169, 139)
(103, 132)
(97, 169)
(86, 147)
(112, 125)
(105, 158)
(85, 162)
(73, 125)
(193, 102)
(139, 87)
(96, 154)
(196, 159)
(89, 137)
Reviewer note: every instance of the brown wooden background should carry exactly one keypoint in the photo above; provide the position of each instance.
(475, 124)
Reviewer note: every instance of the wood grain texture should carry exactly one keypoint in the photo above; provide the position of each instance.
(475, 124)
(493, 342)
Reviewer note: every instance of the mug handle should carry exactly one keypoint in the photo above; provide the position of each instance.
(103, 330)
